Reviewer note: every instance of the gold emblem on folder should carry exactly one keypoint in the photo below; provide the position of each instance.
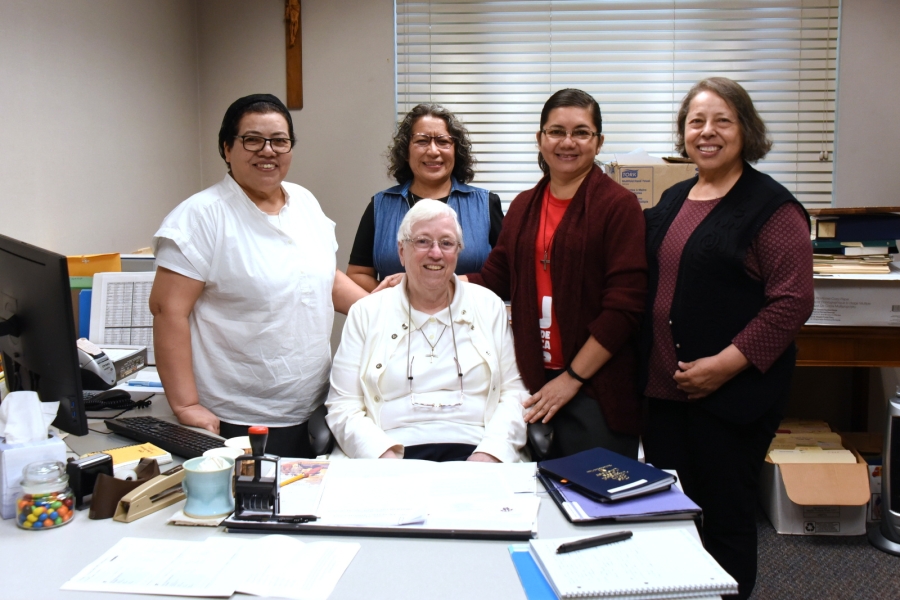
(608, 472)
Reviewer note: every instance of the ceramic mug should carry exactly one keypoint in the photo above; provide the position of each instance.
(209, 491)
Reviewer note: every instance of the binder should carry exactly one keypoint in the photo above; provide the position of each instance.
(606, 476)
(668, 505)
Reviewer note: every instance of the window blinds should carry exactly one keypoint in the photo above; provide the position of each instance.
(494, 63)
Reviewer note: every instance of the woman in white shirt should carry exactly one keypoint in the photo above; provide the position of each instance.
(426, 369)
(246, 288)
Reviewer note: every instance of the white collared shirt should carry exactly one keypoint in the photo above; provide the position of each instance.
(261, 328)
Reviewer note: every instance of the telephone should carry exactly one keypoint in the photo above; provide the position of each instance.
(113, 399)
(97, 371)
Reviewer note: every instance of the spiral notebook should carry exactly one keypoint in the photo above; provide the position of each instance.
(653, 564)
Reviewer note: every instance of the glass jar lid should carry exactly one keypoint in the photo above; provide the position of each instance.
(44, 472)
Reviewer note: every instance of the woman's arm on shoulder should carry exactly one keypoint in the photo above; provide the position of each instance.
(171, 301)
(345, 292)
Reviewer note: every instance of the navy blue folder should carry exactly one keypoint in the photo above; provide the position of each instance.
(607, 476)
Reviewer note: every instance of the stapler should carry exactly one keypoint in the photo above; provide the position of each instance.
(158, 493)
(256, 495)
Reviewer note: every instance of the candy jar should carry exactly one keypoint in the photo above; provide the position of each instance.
(46, 500)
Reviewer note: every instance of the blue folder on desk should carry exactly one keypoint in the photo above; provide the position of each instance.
(668, 505)
(533, 581)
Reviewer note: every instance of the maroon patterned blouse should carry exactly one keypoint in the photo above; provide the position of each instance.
(780, 256)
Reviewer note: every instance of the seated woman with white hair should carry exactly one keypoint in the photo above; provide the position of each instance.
(426, 369)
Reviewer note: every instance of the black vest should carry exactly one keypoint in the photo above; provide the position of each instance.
(715, 297)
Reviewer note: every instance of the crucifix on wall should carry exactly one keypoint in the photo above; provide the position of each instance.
(293, 54)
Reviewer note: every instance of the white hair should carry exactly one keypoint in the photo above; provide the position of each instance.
(427, 210)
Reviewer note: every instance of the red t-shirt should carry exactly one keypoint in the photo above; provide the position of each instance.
(552, 210)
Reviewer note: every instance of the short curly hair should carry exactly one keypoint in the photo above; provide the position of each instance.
(398, 153)
(754, 134)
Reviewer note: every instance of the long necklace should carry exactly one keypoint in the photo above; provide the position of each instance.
(546, 259)
(432, 355)
(409, 323)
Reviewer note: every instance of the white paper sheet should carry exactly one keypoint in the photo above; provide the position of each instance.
(273, 565)
(120, 310)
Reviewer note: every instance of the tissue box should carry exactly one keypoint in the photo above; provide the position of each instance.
(13, 458)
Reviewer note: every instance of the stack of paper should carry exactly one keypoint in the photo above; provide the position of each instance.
(816, 446)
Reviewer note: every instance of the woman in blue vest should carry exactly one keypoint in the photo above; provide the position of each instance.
(431, 157)
(730, 273)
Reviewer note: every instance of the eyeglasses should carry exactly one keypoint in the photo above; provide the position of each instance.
(423, 141)
(420, 400)
(579, 135)
(424, 244)
(255, 143)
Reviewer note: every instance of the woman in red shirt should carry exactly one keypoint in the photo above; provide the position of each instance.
(571, 259)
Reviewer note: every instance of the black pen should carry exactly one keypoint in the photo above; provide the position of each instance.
(593, 542)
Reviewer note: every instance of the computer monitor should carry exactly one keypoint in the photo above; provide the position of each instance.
(37, 330)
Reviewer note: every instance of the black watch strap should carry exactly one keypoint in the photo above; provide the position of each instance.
(575, 375)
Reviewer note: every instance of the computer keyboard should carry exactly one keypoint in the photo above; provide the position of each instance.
(171, 437)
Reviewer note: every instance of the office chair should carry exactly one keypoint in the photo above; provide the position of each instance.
(540, 436)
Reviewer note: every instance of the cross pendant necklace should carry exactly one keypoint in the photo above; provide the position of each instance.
(545, 262)
(432, 355)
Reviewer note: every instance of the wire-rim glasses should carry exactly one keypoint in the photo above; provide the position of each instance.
(423, 141)
(424, 244)
(579, 135)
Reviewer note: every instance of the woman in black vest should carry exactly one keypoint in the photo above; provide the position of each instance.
(730, 274)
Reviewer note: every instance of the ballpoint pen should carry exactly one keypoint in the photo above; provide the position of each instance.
(593, 542)
(145, 383)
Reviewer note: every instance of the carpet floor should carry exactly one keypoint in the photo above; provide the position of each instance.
(796, 567)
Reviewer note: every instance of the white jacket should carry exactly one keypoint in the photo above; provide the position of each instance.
(376, 326)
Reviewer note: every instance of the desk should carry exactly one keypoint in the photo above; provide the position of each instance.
(384, 568)
(857, 347)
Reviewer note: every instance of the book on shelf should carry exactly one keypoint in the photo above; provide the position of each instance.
(844, 225)
(668, 505)
(652, 564)
(606, 476)
(851, 269)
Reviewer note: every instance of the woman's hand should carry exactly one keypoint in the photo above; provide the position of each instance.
(702, 377)
(482, 457)
(550, 398)
(389, 453)
(198, 416)
(389, 282)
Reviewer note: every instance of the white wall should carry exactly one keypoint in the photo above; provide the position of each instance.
(867, 145)
(98, 101)
(867, 140)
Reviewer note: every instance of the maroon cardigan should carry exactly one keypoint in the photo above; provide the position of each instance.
(599, 274)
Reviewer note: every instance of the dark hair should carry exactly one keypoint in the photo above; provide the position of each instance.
(254, 103)
(398, 153)
(569, 97)
(754, 135)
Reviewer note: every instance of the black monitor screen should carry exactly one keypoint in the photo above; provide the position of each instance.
(38, 348)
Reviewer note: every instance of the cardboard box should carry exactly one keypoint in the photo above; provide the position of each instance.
(816, 499)
(857, 300)
(648, 182)
(14, 458)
